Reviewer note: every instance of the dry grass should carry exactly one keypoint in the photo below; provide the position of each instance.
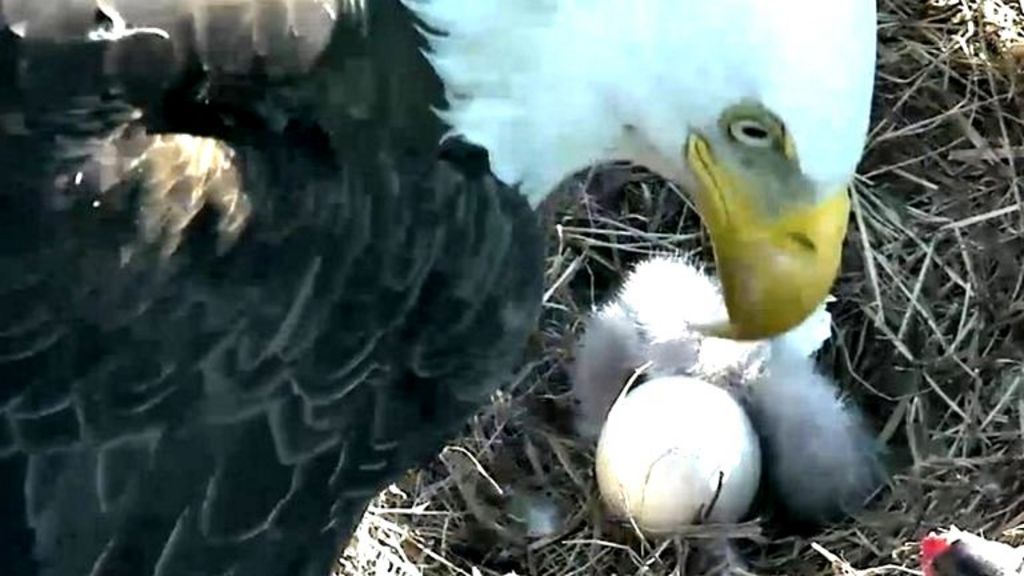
(929, 337)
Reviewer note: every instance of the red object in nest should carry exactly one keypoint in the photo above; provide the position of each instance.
(932, 546)
(958, 553)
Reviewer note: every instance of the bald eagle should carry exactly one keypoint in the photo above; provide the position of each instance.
(259, 258)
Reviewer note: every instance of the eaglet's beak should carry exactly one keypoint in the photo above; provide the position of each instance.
(776, 265)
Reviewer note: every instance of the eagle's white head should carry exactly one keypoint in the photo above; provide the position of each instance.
(759, 108)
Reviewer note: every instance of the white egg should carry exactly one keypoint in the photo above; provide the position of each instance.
(668, 447)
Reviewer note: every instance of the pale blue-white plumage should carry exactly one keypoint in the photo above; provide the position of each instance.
(550, 87)
(820, 458)
(650, 320)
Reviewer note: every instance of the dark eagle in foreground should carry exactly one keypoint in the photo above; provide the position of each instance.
(256, 263)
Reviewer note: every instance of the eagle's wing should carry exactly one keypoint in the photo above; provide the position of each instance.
(240, 289)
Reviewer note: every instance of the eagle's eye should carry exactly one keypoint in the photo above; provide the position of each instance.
(751, 133)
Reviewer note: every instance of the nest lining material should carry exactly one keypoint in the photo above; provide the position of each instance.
(928, 339)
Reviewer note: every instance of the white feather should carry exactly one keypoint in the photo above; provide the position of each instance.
(821, 460)
(650, 320)
(667, 294)
(810, 335)
(609, 351)
(550, 86)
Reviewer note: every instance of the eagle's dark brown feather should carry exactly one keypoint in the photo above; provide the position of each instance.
(241, 289)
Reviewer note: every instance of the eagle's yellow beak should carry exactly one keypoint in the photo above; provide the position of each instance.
(778, 254)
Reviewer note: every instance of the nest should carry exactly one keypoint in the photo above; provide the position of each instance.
(928, 338)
